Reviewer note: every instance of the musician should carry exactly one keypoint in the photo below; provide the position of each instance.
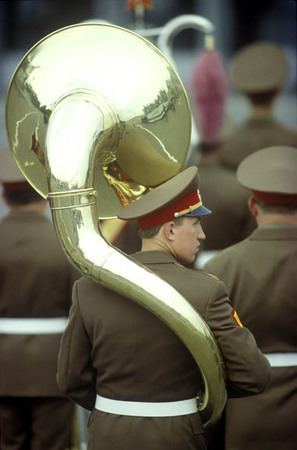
(258, 72)
(35, 295)
(260, 275)
(125, 365)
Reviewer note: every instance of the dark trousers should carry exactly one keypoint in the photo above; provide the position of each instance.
(35, 423)
(215, 435)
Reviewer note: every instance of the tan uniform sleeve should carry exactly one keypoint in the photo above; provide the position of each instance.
(248, 371)
(76, 377)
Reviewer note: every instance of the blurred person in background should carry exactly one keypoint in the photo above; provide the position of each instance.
(226, 199)
(35, 296)
(258, 71)
(260, 276)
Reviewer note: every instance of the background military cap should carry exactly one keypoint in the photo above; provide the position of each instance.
(259, 67)
(270, 174)
(11, 177)
(176, 197)
(9, 171)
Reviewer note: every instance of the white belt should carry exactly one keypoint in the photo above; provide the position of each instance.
(32, 326)
(282, 359)
(144, 409)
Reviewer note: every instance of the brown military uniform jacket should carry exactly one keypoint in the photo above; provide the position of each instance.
(252, 135)
(35, 282)
(116, 348)
(260, 275)
(230, 221)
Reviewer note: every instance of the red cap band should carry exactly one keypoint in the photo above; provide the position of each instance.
(182, 206)
(276, 199)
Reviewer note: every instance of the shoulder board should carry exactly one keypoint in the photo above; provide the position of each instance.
(178, 264)
(212, 276)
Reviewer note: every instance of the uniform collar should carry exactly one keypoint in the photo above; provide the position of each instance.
(27, 214)
(279, 231)
(261, 118)
(154, 256)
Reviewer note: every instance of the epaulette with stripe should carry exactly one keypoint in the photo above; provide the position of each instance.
(179, 264)
(212, 275)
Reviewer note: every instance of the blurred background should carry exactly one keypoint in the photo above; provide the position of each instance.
(25, 22)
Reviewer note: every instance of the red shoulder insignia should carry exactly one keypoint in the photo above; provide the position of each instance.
(236, 318)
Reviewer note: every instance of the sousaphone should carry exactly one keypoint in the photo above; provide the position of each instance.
(96, 117)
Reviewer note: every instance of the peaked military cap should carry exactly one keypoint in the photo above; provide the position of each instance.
(177, 197)
(270, 174)
(259, 67)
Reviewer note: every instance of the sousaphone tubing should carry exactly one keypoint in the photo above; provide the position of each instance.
(96, 117)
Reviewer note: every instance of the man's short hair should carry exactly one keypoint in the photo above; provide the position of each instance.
(262, 98)
(147, 233)
(21, 197)
(267, 208)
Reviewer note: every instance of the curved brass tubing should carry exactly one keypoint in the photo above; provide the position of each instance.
(73, 122)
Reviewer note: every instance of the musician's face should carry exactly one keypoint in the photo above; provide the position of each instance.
(186, 241)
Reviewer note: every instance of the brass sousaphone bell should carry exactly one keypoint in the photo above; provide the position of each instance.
(96, 117)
